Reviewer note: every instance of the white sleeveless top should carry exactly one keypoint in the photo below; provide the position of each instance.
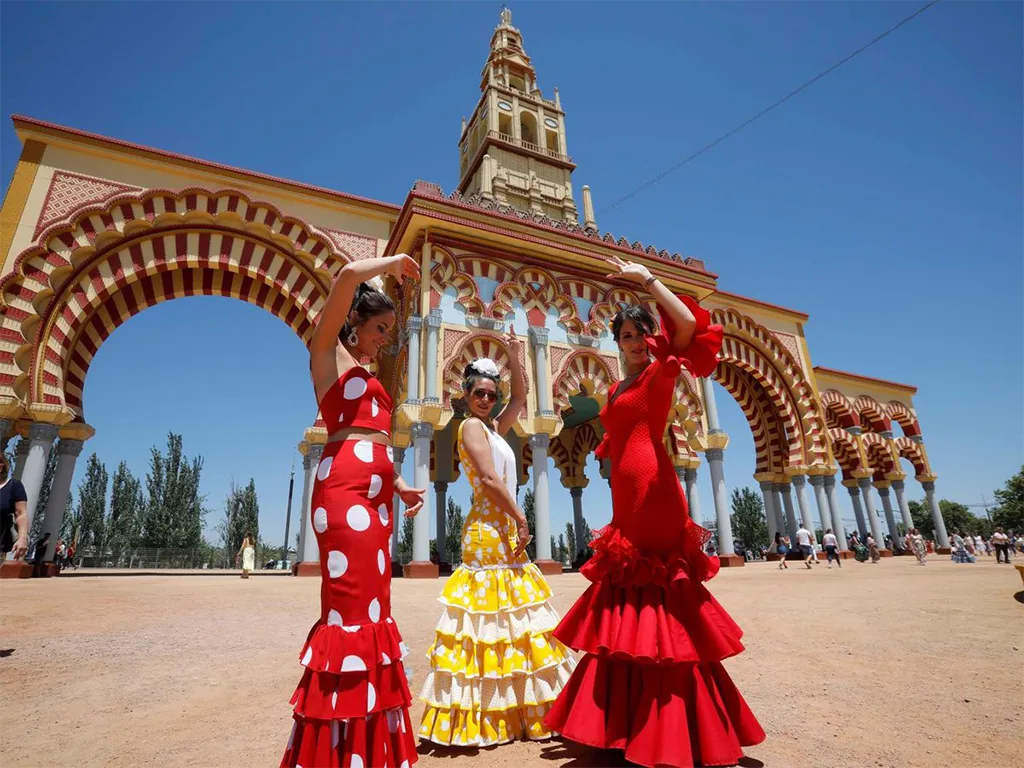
(504, 460)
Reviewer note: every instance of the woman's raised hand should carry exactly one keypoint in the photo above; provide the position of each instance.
(627, 270)
(402, 266)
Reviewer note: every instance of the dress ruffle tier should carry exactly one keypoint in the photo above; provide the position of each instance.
(351, 705)
(495, 668)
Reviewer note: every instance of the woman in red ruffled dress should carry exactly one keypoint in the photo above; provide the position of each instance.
(651, 681)
(352, 704)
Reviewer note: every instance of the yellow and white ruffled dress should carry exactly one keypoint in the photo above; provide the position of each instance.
(495, 668)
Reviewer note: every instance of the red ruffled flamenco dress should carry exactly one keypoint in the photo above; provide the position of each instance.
(352, 703)
(651, 681)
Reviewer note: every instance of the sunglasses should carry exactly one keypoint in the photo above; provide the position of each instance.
(483, 394)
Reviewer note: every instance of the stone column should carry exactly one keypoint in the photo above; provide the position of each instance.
(441, 495)
(20, 458)
(821, 500)
(40, 442)
(305, 524)
(542, 504)
(710, 408)
(787, 502)
(413, 376)
(539, 339)
(421, 567)
(692, 495)
(869, 510)
(803, 503)
(838, 526)
(769, 511)
(933, 504)
(430, 374)
(858, 511)
(901, 502)
(68, 452)
(396, 503)
(890, 518)
(780, 511)
(577, 521)
(310, 550)
(726, 551)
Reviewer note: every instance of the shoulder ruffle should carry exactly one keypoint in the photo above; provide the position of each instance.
(700, 356)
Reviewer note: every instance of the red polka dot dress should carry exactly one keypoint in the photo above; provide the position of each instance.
(651, 680)
(351, 708)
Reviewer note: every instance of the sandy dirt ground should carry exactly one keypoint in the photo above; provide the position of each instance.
(872, 665)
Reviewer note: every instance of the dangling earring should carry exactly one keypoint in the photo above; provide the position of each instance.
(353, 338)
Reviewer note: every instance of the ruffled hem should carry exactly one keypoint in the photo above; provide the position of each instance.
(618, 560)
(328, 696)
(700, 356)
(335, 648)
(384, 739)
(496, 590)
(460, 728)
(529, 654)
(506, 626)
(445, 690)
(682, 623)
(682, 716)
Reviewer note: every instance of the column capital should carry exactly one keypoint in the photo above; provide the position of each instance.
(830, 480)
(916, 438)
(864, 482)
(898, 485)
(576, 493)
(780, 487)
(799, 480)
(68, 447)
(433, 318)
(307, 462)
(690, 473)
(399, 454)
(22, 450)
(540, 440)
(886, 433)
(929, 486)
(414, 324)
(817, 480)
(422, 429)
(40, 431)
(316, 450)
(681, 472)
(854, 491)
(883, 489)
(440, 485)
(715, 454)
(538, 335)
(767, 486)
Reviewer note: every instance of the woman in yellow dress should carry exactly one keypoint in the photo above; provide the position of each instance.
(495, 669)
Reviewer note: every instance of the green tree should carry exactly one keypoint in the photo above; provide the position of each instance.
(587, 536)
(531, 522)
(1010, 498)
(175, 511)
(92, 505)
(957, 517)
(563, 549)
(749, 525)
(127, 505)
(241, 517)
(455, 518)
(405, 541)
(71, 523)
(570, 540)
(36, 532)
(554, 548)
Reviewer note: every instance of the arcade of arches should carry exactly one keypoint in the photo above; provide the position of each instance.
(95, 230)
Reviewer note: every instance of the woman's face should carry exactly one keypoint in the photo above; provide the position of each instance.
(633, 345)
(482, 396)
(373, 334)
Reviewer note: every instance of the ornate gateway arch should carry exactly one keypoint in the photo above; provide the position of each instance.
(95, 230)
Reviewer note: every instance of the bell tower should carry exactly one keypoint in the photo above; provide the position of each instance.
(513, 149)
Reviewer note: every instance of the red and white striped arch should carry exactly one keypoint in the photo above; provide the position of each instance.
(905, 417)
(800, 438)
(770, 444)
(838, 412)
(582, 371)
(881, 458)
(873, 415)
(846, 451)
(105, 264)
(914, 453)
(472, 348)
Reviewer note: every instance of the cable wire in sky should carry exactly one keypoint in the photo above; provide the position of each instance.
(766, 110)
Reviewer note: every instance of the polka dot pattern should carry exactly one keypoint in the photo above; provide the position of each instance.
(364, 451)
(323, 469)
(320, 520)
(354, 388)
(337, 564)
(357, 517)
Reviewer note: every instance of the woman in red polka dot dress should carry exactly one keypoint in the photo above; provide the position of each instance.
(352, 704)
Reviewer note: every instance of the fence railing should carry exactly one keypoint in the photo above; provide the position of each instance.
(201, 558)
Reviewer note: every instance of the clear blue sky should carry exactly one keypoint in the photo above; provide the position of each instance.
(886, 201)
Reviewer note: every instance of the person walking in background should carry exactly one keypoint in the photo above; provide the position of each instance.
(918, 546)
(959, 546)
(39, 556)
(873, 549)
(831, 544)
(247, 554)
(1001, 543)
(782, 549)
(804, 539)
